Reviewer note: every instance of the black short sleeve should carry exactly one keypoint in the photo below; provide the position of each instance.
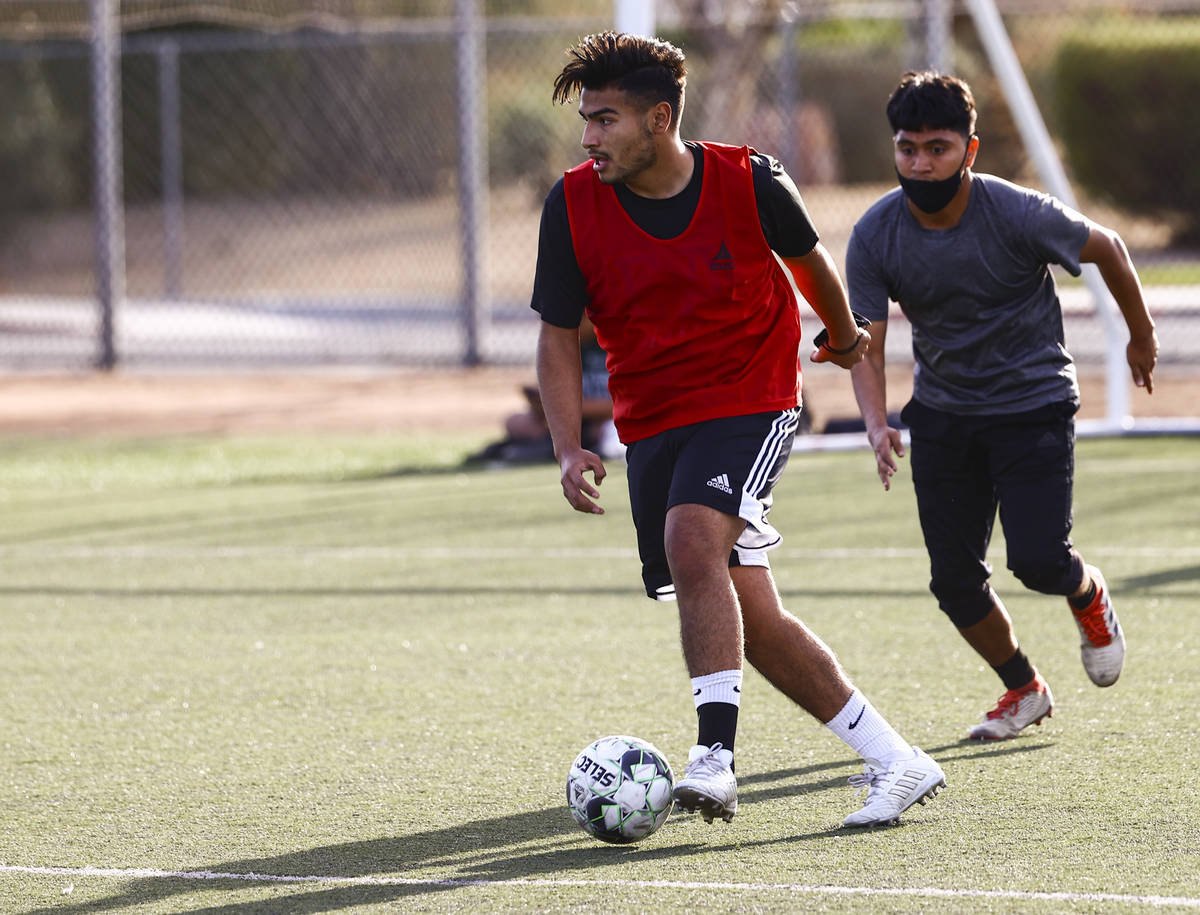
(559, 290)
(785, 220)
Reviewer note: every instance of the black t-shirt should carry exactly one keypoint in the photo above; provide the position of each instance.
(559, 289)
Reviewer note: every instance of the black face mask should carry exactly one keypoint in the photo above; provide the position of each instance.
(931, 196)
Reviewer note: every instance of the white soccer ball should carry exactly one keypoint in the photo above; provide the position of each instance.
(619, 789)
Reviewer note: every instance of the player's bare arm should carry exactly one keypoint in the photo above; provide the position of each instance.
(1107, 251)
(560, 380)
(870, 390)
(821, 285)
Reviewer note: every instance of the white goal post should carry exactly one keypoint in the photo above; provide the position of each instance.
(1028, 118)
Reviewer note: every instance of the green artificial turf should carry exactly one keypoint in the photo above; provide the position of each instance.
(228, 665)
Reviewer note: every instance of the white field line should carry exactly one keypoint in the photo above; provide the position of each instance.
(137, 551)
(796, 888)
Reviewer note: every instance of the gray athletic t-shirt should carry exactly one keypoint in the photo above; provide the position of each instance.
(986, 320)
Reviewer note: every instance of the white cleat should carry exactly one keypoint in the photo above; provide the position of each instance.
(1102, 643)
(708, 785)
(893, 788)
(1017, 710)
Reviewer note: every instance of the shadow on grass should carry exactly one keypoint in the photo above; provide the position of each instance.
(1159, 579)
(485, 850)
(488, 850)
(358, 860)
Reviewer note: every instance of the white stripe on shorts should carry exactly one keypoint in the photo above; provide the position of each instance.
(784, 425)
(759, 536)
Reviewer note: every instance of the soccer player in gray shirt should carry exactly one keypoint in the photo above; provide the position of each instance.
(966, 256)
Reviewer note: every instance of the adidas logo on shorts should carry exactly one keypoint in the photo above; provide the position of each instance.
(722, 483)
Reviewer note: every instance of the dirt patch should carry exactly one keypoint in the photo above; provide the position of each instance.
(125, 404)
(472, 401)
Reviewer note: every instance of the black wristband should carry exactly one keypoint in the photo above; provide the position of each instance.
(822, 339)
(841, 352)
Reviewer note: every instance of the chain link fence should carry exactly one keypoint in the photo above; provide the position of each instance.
(305, 183)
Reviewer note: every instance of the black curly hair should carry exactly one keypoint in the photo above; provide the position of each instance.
(648, 70)
(926, 100)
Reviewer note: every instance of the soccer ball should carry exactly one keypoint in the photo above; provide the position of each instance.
(619, 789)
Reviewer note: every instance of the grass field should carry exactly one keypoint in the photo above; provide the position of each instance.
(340, 675)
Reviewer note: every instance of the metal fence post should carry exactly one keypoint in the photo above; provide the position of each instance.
(109, 187)
(472, 170)
(171, 152)
(939, 48)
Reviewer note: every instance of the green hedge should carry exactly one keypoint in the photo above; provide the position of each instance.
(1127, 96)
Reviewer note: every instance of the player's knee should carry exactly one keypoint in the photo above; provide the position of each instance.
(690, 559)
(697, 543)
(1046, 575)
(964, 605)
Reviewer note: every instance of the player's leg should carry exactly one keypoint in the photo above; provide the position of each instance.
(684, 551)
(1034, 469)
(740, 460)
(720, 487)
(801, 666)
(785, 651)
(714, 463)
(698, 541)
(956, 506)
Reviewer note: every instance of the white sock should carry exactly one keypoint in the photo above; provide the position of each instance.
(866, 732)
(723, 686)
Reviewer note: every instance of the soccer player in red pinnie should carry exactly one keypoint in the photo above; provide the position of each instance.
(677, 251)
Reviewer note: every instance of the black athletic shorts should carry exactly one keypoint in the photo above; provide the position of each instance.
(729, 464)
(964, 468)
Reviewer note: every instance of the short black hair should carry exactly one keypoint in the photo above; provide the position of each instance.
(927, 100)
(649, 70)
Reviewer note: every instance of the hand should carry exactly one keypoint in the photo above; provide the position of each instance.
(847, 360)
(885, 441)
(574, 463)
(1142, 355)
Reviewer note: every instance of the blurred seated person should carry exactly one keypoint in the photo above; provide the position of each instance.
(527, 437)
